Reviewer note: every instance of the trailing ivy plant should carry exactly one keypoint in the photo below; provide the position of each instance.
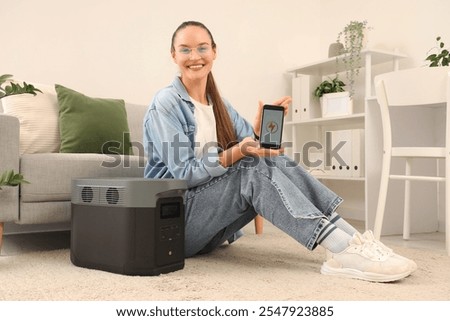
(9, 178)
(442, 57)
(352, 37)
(13, 88)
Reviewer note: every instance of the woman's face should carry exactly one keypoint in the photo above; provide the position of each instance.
(193, 53)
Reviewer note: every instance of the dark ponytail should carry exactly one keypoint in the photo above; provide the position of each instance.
(226, 136)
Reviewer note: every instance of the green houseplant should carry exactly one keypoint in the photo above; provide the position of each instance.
(352, 37)
(334, 99)
(13, 88)
(442, 57)
(9, 178)
(329, 86)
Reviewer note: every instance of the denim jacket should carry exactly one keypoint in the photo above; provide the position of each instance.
(169, 138)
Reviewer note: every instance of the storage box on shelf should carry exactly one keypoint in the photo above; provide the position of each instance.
(336, 104)
(315, 133)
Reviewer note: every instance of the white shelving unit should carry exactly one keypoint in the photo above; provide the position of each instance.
(369, 58)
(328, 121)
(352, 189)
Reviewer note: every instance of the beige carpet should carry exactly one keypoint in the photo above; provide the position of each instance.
(271, 266)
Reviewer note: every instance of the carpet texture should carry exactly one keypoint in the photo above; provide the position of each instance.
(271, 266)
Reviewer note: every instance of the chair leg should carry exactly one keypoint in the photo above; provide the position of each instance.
(447, 221)
(447, 203)
(407, 204)
(259, 224)
(1, 235)
(384, 182)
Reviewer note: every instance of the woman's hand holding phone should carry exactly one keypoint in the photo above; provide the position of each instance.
(250, 147)
(283, 101)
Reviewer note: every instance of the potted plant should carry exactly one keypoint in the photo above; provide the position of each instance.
(442, 57)
(9, 178)
(352, 37)
(329, 86)
(334, 100)
(13, 88)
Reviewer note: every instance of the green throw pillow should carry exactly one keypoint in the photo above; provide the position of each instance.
(92, 125)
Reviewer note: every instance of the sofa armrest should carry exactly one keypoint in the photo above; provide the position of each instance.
(9, 160)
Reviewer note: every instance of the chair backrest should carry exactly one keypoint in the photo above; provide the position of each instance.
(412, 87)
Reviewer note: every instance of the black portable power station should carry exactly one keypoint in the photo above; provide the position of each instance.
(132, 226)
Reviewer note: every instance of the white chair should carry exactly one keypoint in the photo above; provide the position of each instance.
(425, 86)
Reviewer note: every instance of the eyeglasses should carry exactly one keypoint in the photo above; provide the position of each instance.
(202, 50)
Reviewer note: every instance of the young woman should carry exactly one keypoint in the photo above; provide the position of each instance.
(191, 133)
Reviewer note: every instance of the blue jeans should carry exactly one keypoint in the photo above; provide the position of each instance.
(277, 188)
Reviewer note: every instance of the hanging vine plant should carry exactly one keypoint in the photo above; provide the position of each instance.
(351, 37)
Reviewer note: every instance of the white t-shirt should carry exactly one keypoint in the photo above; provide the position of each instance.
(205, 136)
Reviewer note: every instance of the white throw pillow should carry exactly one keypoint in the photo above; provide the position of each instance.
(39, 118)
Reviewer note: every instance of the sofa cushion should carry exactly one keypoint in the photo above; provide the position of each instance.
(38, 117)
(50, 175)
(135, 115)
(92, 125)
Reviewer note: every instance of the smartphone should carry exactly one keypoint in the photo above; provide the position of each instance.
(271, 126)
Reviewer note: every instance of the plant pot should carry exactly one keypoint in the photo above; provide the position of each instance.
(335, 49)
(336, 104)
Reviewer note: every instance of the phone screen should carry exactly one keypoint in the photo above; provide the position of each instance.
(271, 126)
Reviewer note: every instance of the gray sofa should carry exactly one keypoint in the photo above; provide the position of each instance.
(47, 198)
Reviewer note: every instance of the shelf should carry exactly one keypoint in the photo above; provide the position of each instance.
(360, 192)
(329, 66)
(339, 178)
(329, 121)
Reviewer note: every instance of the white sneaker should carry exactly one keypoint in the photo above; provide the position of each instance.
(368, 236)
(366, 260)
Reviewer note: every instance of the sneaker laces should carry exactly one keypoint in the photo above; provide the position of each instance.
(368, 248)
(369, 237)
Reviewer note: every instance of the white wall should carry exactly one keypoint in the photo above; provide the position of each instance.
(120, 49)
(409, 25)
